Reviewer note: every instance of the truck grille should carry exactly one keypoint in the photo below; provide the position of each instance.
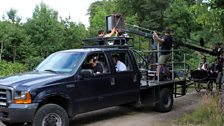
(5, 96)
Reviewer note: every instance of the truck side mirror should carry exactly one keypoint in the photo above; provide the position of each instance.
(87, 73)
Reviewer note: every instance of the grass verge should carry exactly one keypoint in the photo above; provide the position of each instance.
(209, 113)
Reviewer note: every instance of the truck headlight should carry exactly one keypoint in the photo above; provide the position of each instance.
(22, 97)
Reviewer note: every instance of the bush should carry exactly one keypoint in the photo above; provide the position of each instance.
(32, 62)
(8, 68)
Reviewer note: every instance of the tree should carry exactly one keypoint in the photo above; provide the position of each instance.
(12, 16)
(3, 36)
(13, 38)
(211, 17)
(73, 34)
(13, 31)
(45, 30)
(179, 18)
(150, 13)
(98, 11)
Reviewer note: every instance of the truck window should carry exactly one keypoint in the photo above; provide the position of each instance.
(62, 62)
(121, 61)
(97, 62)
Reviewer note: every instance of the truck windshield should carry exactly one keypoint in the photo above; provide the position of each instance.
(61, 62)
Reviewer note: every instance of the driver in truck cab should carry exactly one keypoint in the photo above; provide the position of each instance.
(96, 66)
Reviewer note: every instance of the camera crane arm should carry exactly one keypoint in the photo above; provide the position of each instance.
(196, 48)
(140, 33)
(147, 33)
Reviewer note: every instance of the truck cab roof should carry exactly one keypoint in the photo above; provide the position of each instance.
(87, 50)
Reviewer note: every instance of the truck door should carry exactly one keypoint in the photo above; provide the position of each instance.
(125, 78)
(95, 92)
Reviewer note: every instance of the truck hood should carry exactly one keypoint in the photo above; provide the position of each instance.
(31, 78)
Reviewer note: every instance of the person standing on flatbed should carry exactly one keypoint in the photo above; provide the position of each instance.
(101, 34)
(166, 44)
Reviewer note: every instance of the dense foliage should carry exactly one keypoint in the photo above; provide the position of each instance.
(8, 68)
(45, 32)
(41, 35)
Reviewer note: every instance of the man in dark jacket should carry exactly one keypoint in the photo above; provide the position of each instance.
(96, 66)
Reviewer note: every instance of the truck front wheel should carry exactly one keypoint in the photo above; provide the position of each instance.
(165, 102)
(51, 115)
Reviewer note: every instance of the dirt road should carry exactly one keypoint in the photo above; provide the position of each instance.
(137, 116)
(134, 116)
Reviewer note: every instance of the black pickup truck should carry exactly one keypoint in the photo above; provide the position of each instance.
(63, 86)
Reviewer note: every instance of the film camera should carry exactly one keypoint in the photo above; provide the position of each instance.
(115, 20)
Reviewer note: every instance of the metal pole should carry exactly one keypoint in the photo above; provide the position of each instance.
(222, 88)
(185, 63)
(158, 60)
(222, 98)
(172, 62)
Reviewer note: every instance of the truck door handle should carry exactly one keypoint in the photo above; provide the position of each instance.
(112, 81)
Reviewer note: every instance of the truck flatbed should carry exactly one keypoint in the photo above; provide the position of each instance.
(145, 85)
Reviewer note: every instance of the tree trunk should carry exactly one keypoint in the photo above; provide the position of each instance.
(14, 54)
(1, 51)
(222, 25)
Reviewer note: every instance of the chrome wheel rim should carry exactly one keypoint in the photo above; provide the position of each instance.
(52, 119)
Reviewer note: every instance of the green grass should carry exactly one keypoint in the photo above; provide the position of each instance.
(209, 113)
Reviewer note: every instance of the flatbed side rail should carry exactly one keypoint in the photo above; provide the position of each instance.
(178, 70)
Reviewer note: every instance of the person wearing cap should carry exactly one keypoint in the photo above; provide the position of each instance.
(166, 43)
(96, 66)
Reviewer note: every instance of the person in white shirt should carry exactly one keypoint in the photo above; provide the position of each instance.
(119, 66)
(203, 65)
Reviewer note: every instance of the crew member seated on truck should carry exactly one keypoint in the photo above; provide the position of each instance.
(96, 66)
(203, 65)
(122, 38)
(119, 66)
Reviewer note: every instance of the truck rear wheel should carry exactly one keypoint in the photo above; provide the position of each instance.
(51, 115)
(165, 102)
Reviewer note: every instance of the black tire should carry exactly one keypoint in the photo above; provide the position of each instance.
(52, 114)
(165, 102)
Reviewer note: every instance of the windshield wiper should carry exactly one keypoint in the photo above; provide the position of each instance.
(51, 71)
(36, 70)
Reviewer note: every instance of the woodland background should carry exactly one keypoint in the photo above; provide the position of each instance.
(23, 45)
